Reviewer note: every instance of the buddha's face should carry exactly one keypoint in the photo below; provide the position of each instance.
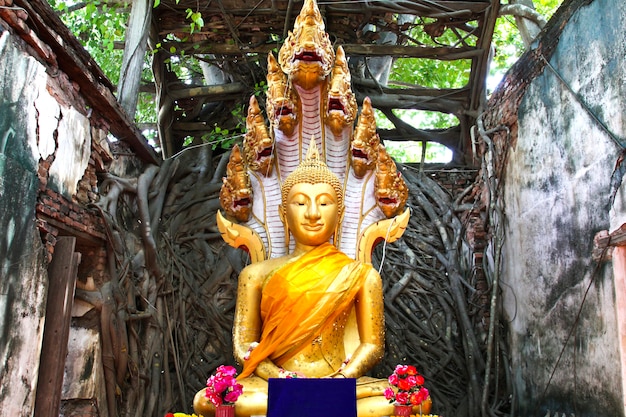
(312, 213)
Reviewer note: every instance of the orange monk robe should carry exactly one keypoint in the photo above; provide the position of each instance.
(300, 298)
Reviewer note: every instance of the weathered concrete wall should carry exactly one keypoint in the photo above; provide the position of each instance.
(46, 169)
(23, 277)
(561, 308)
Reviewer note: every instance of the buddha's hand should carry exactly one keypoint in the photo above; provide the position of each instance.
(285, 374)
(250, 349)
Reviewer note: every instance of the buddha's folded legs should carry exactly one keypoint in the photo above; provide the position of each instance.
(369, 391)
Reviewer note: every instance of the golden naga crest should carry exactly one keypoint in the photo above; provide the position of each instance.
(310, 103)
(236, 193)
(257, 144)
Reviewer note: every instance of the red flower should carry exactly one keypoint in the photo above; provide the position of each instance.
(402, 398)
(419, 380)
(404, 385)
(420, 396)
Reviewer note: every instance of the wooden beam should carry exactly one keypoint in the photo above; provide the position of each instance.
(216, 91)
(480, 65)
(409, 89)
(398, 51)
(443, 8)
(447, 137)
(61, 285)
(408, 101)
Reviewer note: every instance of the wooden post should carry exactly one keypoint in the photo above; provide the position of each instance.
(62, 282)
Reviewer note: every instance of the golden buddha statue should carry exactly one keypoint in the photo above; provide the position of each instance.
(293, 312)
(310, 304)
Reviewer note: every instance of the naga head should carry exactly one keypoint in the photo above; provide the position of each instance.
(365, 141)
(282, 100)
(258, 146)
(341, 106)
(390, 190)
(307, 55)
(236, 192)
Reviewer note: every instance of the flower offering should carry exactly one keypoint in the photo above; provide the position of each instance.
(222, 387)
(406, 386)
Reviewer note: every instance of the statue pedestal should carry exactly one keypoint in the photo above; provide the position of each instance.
(311, 397)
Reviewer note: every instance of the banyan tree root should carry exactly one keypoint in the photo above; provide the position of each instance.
(433, 318)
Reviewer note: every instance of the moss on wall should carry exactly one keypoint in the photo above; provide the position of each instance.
(561, 307)
(22, 272)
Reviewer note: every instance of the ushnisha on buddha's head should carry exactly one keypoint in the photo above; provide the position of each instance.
(312, 201)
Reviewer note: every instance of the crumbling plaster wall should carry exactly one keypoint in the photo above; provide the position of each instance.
(560, 306)
(47, 176)
(23, 284)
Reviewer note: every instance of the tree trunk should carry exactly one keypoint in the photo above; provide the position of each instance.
(134, 53)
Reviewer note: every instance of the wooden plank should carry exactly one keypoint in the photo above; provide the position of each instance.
(62, 282)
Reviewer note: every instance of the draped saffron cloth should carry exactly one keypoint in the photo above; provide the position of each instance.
(302, 297)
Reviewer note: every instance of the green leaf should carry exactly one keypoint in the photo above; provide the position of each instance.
(90, 9)
(197, 19)
(156, 3)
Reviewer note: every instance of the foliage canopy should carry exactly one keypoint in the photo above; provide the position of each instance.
(101, 27)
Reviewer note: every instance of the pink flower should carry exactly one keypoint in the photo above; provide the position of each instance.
(402, 397)
(226, 371)
(412, 380)
(401, 370)
(389, 393)
(222, 387)
(233, 395)
(393, 379)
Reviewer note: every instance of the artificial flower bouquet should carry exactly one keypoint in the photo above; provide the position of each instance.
(406, 387)
(222, 387)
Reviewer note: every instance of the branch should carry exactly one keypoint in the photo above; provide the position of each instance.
(520, 10)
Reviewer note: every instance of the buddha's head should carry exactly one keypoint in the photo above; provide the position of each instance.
(312, 201)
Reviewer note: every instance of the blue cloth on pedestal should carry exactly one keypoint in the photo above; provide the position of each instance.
(311, 397)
